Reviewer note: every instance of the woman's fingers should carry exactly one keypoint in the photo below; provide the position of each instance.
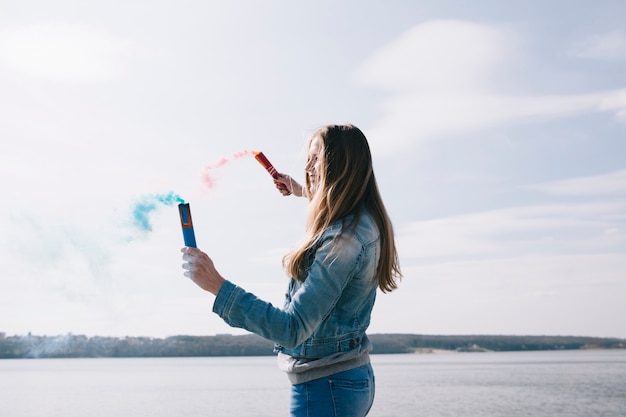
(191, 261)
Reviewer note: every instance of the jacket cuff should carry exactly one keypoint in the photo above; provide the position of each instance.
(224, 299)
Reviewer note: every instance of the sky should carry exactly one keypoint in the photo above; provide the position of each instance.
(498, 134)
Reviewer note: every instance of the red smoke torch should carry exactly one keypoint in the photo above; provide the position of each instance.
(266, 163)
(270, 168)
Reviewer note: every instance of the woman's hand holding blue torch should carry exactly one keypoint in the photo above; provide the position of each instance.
(201, 270)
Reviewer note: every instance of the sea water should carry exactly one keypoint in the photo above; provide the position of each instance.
(580, 383)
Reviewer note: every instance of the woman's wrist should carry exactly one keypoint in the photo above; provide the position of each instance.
(298, 190)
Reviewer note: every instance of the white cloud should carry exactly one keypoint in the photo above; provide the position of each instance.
(66, 52)
(439, 75)
(612, 183)
(411, 118)
(616, 101)
(519, 270)
(609, 46)
(586, 227)
(526, 294)
(440, 55)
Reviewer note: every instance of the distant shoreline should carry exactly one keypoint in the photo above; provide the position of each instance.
(425, 351)
(80, 346)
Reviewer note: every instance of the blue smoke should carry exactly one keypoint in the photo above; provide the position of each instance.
(150, 203)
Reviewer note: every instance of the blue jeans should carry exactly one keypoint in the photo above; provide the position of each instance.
(345, 394)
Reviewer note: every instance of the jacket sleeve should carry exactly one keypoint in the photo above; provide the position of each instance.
(329, 274)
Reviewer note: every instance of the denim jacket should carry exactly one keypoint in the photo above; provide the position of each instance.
(330, 310)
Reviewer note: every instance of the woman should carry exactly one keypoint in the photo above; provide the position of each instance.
(348, 252)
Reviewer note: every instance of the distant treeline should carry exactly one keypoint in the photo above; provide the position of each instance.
(79, 346)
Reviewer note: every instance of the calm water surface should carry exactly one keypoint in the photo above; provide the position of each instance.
(511, 384)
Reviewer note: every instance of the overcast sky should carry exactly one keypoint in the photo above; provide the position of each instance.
(498, 131)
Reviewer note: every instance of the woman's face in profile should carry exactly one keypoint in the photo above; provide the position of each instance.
(312, 167)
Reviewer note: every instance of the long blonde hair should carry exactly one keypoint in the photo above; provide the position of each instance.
(346, 186)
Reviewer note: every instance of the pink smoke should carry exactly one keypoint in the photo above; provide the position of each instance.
(207, 177)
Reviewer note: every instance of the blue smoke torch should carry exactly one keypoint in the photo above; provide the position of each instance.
(187, 225)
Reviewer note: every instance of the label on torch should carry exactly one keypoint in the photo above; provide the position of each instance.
(266, 164)
(187, 225)
(270, 168)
